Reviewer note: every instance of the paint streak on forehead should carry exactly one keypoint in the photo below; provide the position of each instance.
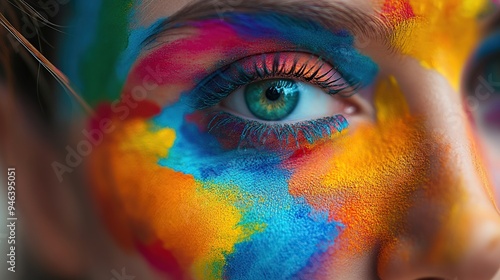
(439, 33)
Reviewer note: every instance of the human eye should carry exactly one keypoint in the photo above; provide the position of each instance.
(281, 100)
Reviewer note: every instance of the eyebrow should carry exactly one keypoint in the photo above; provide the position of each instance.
(334, 16)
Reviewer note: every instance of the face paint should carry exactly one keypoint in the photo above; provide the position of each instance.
(198, 208)
(238, 227)
(439, 34)
(174, 213)
(358, 180)
(241, 39)
(397, 12)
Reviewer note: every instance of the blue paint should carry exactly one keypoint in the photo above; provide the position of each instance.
(134, 47)
(293, 232)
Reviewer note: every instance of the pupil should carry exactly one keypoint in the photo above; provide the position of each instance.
(273, 93)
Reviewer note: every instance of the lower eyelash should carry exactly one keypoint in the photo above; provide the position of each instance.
(235, 132)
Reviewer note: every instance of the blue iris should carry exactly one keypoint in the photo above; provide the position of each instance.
(273, 99)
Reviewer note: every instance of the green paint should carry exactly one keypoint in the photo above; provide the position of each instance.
(98, 68)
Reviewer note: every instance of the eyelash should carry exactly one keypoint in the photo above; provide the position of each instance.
(235, 132)
(221, 83)
(281, 136)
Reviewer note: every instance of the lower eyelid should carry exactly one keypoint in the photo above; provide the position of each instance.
(234, 132)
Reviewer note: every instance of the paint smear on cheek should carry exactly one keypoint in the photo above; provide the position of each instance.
(439, 33)
(165, 212)
(366, 180)
(374, 179)
(290, 233)
(197, 210)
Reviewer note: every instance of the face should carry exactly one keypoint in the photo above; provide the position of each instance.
(319, 139)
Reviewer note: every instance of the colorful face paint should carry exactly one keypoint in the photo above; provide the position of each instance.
(355, 180)
(258, 225)
(439, 34)
(176, 183)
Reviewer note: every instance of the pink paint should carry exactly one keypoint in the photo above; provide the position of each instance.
(182, 63)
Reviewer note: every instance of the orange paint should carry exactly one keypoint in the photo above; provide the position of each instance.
(366, 180)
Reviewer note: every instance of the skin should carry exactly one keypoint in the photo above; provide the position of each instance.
(406, 192)
(444, 219)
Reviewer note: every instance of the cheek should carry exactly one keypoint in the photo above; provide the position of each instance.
(365, 181)
(167, 192)
(167, 215)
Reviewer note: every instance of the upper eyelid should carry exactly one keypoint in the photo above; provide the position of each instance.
(197, 98)
(286, 34)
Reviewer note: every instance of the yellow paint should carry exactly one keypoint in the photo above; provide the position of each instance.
(442, 35)
(390, 102)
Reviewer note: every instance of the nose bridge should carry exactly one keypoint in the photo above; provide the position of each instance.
(453, 227)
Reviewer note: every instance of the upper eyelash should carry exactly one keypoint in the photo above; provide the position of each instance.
(222, 82)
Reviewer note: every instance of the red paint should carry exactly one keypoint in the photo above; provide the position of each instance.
(397, 11)
(161, 259)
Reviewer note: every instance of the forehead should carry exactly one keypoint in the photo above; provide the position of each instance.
(146, 12)
(440, 13)
(434, 24)
(444, 24)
